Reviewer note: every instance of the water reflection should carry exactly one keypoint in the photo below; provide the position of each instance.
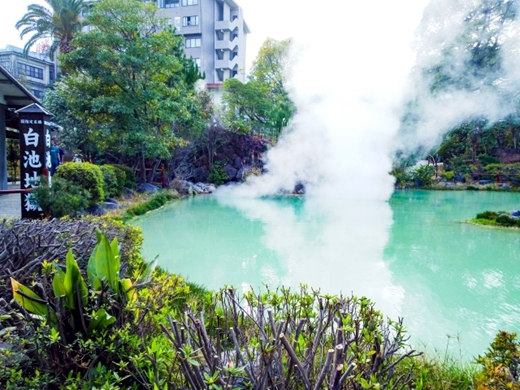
(331, 243)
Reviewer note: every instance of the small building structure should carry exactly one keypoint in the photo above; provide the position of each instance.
(36, 71)
(13, 97)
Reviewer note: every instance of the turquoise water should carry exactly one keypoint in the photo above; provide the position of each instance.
(455, 284)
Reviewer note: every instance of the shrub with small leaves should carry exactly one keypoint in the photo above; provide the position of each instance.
(86, 175)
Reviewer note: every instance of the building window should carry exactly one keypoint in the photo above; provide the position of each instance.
(189, 2)
(193, 42)
(177, 22)
(38, 94)
(190, 21)
(31, 71)
(171, 3)
(197, 62)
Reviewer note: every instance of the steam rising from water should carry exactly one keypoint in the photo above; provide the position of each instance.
(350, 80)
(347, 82)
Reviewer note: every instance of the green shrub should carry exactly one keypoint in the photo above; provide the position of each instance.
(401, 175)
(61, 199)
(488, 215)
(217, 175)
(110, 183)
(120, 179)
(130, 180)
(448, 175)
(86, 175)
(500, 364)
(423, 174)
(485, 160)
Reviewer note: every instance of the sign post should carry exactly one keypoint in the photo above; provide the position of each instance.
(35, 157)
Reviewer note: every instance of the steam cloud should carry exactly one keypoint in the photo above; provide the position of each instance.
(350, 81)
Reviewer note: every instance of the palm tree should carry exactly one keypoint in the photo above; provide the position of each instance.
(62, 22)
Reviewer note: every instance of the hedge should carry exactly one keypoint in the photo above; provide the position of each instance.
(86, 175)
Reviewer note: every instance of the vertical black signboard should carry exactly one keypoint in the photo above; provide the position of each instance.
(35, 158)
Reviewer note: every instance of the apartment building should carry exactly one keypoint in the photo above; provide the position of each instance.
(215, 35)
(36, 71)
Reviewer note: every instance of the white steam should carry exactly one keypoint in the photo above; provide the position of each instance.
(352, 60)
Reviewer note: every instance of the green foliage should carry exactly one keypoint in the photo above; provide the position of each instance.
(261, 105)
(291, 332)
(111, 185)
(87, 175)
(127, 80)
(82, 318)
(448, 175)
(511, 170)
(488, 215)
(401, 175)
(217, 175)
(61, 24)
(129, 180)
(158, 200)
(423, 174)
(500, 364)
(63, 198)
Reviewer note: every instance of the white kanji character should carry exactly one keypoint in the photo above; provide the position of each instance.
(33, 181)
(32, 159)
(30, 203)
(48, 162)
(31, 138)
(48, 139)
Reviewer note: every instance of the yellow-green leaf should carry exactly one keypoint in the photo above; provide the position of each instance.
(29, 300)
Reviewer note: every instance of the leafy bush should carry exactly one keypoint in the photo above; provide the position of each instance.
(488, 215)
(29, 243)
(423, 174)
(217, 175)
(73, 326)
(120, 179)
(284, 339)
(485, 160)
(86, 175)
(503, 169)
(500, 364)
(129, 181)
(401, 175)
(63, 198)
(448, 175)
(110, 183)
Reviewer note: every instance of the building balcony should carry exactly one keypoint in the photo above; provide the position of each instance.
(225, 45)
(226, 63)
(227, 25)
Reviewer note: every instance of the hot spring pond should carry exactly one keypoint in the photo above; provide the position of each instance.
(455, 284)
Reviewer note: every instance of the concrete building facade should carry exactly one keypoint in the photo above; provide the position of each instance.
(36, 72)
(215, 35)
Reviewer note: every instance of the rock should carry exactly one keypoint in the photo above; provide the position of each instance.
(96, 209)
(515, 213)
(211, 188)
(299, 189)
(459, 178)
(483, 182)
(237, 163)
(128, 193)
(111, 200)
(506, 187)
(147, 187)
(198, 189)
(200, 174)
(243, 172)
(449, 184)
(110, 206)
(230, 171)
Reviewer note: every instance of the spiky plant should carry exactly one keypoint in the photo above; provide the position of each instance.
(62, 22)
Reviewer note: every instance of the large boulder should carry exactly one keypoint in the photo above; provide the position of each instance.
(230, 171)
(147, 187)
(200, 174)
(237, 162)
